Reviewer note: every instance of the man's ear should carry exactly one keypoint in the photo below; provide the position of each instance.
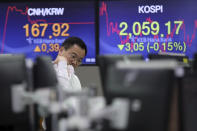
(61, 51)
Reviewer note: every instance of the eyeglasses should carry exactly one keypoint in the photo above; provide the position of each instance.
(74, 57)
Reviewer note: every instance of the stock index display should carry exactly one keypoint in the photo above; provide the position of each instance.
(148, 27)
(40, 28)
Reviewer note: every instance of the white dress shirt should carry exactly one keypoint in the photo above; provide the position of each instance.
(67, 80)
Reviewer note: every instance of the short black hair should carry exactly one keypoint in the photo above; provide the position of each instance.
(71, 41)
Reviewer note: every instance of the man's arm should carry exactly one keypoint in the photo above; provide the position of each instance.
(66, 77)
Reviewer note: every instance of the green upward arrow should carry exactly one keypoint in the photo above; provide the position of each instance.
(120, 47)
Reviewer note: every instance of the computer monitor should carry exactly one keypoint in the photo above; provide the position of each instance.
(12, 71)
(189, 98)
(189, 105)
(104, 61)
(44, 75)
(148, 86)
(148, 26)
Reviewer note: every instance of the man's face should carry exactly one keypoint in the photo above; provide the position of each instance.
(74, 55)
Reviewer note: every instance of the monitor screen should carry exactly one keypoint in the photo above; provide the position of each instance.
(43, 66)
(105, 61)
(189, 98)
(39, 28)
(12, 71)
(150, 26)
(149, 96)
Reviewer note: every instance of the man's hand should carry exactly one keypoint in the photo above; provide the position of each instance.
(60, 58)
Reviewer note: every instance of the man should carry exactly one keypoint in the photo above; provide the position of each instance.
(70, 56)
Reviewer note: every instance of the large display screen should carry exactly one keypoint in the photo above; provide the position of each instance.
(40, 28)
(148, 27)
